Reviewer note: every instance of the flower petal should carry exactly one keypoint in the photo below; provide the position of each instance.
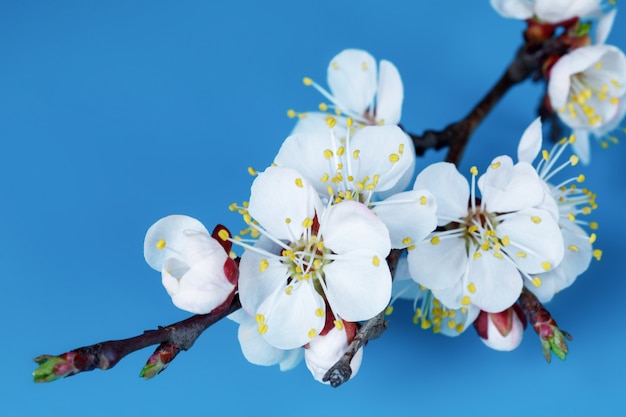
(290, 319)
(450, 189)
(555, 11)
(438, 265)
(352, 80)
(324, 351)
(516, 9)
(167, 233)
(409, 216)
(281, 199)
(530, 143)
(350, 226)
(390, 94)
(358, 285)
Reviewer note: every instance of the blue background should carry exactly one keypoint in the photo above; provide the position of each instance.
(114, 114)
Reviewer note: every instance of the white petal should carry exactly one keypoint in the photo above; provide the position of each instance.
(358, 285)
(350, 226)
(324, 351)
(390, 94)
(281, 199)
(555, 11)
(201, 288)
(166, 235)
(530, 143)
(257, 351)
(315, 122)
(604, 26)
(496, 283)
(409, 216)
(256, 286)
(536, 242)
(293, 318)
(581, 146)
(516, 9)
(384, 151)
(506, 187)
(438, 266)
(304, 152)
(450, 189)
(352, 80)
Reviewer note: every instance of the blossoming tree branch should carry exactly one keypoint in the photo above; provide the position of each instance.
(342, 225)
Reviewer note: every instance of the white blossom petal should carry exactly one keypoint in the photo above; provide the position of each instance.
(493, 284)
(555, 11)
(530, 143)
(515, 9)
(358, 285)
(409, 216)
(352, 76)
(450, 189)
(440, 265)
(390, 94)
(281, 199)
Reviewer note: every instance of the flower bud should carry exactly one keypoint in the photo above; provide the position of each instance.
(501, 331)
(323, 352)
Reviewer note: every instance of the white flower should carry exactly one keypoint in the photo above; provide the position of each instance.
(552, 11)
(587, 89)
(501, 331)
(359, 167)
(572, 201)
(324, 351)
(257, 351)
(358, 90)
(310, 257)
(482, 250)
(196, 270)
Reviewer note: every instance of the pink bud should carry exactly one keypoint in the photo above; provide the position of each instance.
(503, 330)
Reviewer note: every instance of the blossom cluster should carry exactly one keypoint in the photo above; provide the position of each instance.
(345, 189)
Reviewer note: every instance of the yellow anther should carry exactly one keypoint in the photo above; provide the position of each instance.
(614, 101)
(580, 178)
(426, 324)
(319, 312)
(388, 310)
(498, 255)
(466, 300)
(586, 210)
(260, 318)
(331, 122)
(435, 240)
(252, 171)
(535, 219)
(572, 139)
(330, 190)
(423, 200)
(299, 182)
(477, 255)
(338, 324)
(232, 254)
(614, 139)
(474, 171)
(312, 333)
(410, 247)
(406, 240)
(593, 225)
(451, 324)
(495, 165)
(394, 158)
(460, 327)
(573, 248)
(571, 217)
(536, 281)
(472, 229)
(335, 65)
(160, 244)
(223, 234)
(592, 238)
(545, 154)
(291, 113)
(349, 122)
(615, 83)
(505, 240)
(594, 120)
(597, 253)
(604, 144)
(471, 288)
(307, 81)
(364, 66)
(302, 116)
(289, 289)
(328, 153)
(546, 265)
(574, 160)
(598, 64)
(307, 222)
(322, 107)
(262, 328)
(521, 255)
(376, 261)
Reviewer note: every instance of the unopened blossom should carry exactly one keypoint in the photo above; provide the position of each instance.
(368, 93)
(361, 166)
(501, 331)
(310, 256)
(196, 271)
(257, 351)
(551, 11)
(484, 248)
(324, 351)
(573, 204)
(587, 89)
